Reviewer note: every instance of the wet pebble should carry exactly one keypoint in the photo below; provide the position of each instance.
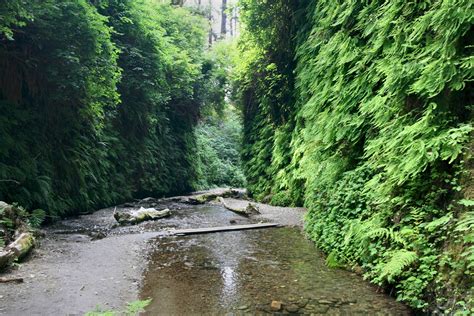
(275, 305)
(292, 308)
(302, 302)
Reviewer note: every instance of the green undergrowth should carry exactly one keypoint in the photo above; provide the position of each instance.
(218, 161)
(362, 111)
(218, 135)
(132, 309)
(15, 220)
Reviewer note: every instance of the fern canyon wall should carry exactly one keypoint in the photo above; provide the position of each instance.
(362, 111)
(98, 100)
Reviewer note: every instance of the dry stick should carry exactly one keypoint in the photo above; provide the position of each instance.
(11, 280)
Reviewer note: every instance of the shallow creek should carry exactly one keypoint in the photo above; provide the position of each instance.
(239, 273)
(88, 261)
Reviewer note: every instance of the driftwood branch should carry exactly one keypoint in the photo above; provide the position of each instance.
(11, 280)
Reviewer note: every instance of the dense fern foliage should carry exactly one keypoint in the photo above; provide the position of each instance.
(218, 135)
(98, 101)
(265, 82)
(218, 162)
(370, 127)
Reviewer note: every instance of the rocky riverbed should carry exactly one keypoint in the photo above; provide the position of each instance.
(88, 261)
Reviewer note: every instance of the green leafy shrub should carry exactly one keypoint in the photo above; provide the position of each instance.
(218, 161)
(282, 198)
(132, 309)
(15, 219)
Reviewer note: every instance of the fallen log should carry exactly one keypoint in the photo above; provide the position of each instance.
(141, 215)
(250, 209)
(194, 231)
(11, 280)
(17, 249)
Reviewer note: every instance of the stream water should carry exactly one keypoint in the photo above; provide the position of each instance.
(75, 269)
(239, 273)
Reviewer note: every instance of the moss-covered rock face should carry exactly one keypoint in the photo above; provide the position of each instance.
(363, 112)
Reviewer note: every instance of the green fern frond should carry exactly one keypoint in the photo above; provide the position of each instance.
(36, 218)
(399, 261)
(466, 223)
(435, 224)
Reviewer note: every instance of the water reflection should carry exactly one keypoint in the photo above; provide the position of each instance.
(229, 285)
(242, 272)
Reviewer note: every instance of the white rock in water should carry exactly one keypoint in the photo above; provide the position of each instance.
(138, 216)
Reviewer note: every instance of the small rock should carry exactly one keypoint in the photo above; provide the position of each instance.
(322, 310)
(232, 221)
(263, 308)
(97, 235)
(292, 308)
(252, 209)
(302, 302)
(310, 307)
(275, 306)
(348, 301)
(242, 307)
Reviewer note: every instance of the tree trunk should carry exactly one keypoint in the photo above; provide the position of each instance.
(141, 215)
(235, 19)
(231, 24)
(224, 19)
(209, 18)
(177, 2)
